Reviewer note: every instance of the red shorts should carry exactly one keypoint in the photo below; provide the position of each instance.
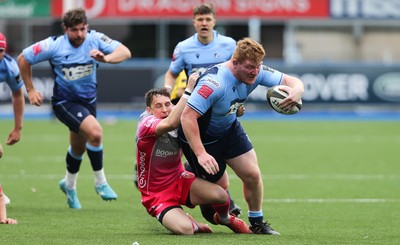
(175, 195)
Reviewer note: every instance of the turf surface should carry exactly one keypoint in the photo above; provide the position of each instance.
(325, 182)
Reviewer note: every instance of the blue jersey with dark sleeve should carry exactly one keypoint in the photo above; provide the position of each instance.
(74, 69)
(218, 95)
(9, 73)
(193, 56)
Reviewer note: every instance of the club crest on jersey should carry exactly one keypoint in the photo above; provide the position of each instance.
(106, 39)
(205, 91)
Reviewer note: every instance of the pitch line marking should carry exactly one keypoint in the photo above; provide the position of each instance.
(333, 200)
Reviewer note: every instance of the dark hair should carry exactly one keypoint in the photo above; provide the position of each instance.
(205, 8)
(153, 92)
(74, 17)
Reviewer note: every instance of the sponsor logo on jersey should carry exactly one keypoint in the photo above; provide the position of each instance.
(18, 78)
(150, 122)
(106, 39)
(205, 91)
(141, 170)
(267, 68)
(77, 71)
(213, 82)
(36, 49)
(164, 153)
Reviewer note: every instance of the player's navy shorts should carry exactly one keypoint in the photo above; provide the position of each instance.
(234, 143)
(72, 114)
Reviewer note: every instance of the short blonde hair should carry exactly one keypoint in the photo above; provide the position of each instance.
(248, 49)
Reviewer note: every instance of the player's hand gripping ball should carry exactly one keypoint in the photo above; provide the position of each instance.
(275, 96)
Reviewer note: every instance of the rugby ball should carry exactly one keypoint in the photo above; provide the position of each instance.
(275, 96)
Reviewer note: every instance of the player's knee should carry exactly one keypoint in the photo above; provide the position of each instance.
(252, 176)
(184, 230)
(220, 196)
(95, 135)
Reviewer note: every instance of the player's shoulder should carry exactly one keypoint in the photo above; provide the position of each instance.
(100, 37)
(188, 42)
(224, 38)
(9, 59)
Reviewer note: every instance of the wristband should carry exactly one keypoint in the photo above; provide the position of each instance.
(185, 96)
(187, 93)
(168, 87)
(188, 90)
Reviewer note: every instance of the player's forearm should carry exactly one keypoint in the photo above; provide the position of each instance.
(295, 83)
(18, 106)
(169, 80)
(120, 54)
(26, 72)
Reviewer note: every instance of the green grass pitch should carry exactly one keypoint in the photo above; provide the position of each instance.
(325, 182)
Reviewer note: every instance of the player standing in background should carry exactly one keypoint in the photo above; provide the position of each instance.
(179, 87)
(74, 58)
(9, 73)
(162, 180)
(194, 54)
(210, 134)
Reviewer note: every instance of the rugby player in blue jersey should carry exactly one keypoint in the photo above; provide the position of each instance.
(204, 48)
(9, 73)
(74, 59)
(212, 137)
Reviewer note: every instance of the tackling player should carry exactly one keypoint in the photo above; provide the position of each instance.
(162, 180)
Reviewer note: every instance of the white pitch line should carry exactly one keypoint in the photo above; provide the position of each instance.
(332, 200)
(231, 176)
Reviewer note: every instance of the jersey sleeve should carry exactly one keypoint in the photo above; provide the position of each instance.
(177, 63)
(14, 80)
(147, 127)
(104, 43)
(40, 51)
(205, 94)
(269, 77)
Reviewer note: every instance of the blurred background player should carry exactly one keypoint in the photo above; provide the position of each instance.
(179, 87)
(9, 73)
(74, 58)
(162, 180)
(204, 48)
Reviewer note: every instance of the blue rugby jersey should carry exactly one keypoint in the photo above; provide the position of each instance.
(218, 95)
(74, 69)
(9, 73)
(193, 56)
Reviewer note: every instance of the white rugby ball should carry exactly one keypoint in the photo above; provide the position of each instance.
(275, 96)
